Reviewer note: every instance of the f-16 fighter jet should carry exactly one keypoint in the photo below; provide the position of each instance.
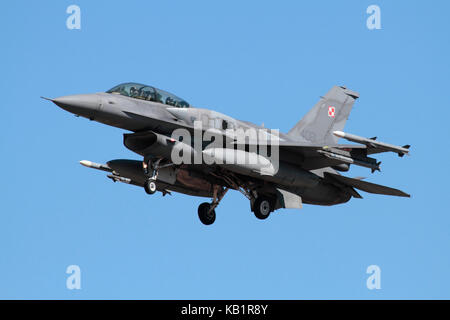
(205, 153)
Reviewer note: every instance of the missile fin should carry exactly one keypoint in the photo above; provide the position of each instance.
(377, 168)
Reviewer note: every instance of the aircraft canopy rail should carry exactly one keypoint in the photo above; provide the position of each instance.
(144, 92)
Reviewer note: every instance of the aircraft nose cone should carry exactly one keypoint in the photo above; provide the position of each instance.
(85, 105)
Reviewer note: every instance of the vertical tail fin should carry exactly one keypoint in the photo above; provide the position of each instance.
(328, 115)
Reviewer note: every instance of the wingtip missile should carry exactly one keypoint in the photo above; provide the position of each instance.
(339, 134)
(401, 151)
(401, 154)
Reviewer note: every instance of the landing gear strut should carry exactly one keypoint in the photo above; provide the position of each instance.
(261, 205)
(206, 211)
(151, 170)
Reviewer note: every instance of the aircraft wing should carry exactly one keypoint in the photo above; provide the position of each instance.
(302, 147)
(308, 156)
(311, 156)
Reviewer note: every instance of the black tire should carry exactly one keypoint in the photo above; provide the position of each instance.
(262, 208)
(206, 217)
(150, 186)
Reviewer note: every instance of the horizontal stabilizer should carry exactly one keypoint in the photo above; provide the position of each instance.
(367, 186)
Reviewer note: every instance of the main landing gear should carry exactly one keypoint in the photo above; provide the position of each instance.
(206, 214)
(262, 207)
(206, 211)
(260, 204)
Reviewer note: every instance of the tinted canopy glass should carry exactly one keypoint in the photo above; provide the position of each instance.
(144, 92)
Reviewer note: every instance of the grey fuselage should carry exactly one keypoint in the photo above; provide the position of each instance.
(137, 115)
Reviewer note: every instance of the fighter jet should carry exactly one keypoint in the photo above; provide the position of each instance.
(204, 153)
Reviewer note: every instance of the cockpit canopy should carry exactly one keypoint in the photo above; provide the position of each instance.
(144, 92)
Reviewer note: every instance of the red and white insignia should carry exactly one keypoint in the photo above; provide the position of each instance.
(331, 111)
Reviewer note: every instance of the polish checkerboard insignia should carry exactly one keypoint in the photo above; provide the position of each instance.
(331, 111)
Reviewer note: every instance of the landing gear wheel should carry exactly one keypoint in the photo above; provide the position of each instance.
(262, 208)
(150, 186)
(206, 215)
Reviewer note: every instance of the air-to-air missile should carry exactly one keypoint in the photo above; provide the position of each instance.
(364, 162)
(94, 165)
(401, 151)
(127, 167)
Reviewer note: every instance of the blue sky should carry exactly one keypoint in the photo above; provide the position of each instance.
(255, 60)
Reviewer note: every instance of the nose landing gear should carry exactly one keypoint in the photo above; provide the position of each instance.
(150, 186)
(151, 170)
